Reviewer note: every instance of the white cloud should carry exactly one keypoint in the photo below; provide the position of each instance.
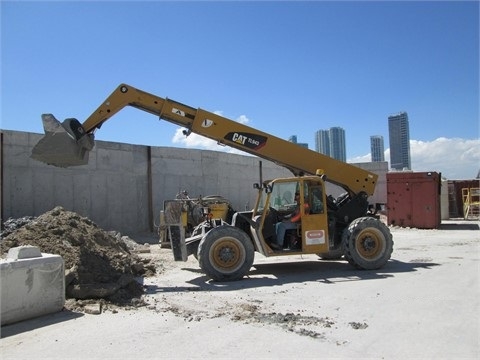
(361, 159)
(455, 158)
(242, 119)
(196, 141)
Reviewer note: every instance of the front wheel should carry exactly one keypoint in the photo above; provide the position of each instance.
(367, 243)
(226, 253)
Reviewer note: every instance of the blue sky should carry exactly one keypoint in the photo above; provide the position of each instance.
(286, 68)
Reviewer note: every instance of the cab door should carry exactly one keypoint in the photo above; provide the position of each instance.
(314, 221)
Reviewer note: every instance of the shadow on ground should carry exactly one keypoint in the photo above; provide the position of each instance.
(275, 274)
(459, 226)
(38, 322)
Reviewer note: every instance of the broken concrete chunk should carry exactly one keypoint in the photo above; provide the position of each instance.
(94, 309)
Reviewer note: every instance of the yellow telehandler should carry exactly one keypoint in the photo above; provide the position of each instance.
(329, 226)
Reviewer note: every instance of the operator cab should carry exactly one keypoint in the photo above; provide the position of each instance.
(277, 203)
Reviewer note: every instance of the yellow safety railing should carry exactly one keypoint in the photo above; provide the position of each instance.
(471, 203)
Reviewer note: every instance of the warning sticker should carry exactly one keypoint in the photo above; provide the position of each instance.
(315, 237)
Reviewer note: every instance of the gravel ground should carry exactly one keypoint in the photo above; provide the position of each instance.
(423, 304)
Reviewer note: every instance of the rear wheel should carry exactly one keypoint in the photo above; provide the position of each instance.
(226, 253)
(367, 243)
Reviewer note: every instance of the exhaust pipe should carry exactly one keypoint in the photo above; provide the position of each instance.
(64, 144)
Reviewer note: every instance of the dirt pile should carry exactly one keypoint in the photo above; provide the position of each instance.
(98, 264)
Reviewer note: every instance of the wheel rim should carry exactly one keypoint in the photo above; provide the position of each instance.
(227, 255)
(370, 244)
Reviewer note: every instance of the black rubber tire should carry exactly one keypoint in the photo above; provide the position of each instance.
(336, 254)
(367, 243)
(226, 253)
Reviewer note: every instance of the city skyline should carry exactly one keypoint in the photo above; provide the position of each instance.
(332, 143)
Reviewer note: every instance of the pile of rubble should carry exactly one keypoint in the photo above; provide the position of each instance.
(98, 264)
(11, 225)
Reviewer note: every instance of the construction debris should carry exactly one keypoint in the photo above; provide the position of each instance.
(11, 225)
(99, 265)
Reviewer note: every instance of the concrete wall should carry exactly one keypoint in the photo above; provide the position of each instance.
(123, 187)
(114, 188)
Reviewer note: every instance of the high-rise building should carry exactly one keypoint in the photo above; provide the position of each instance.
(293, 139)
(377, 148)
(337, 144)
(322, 142)
(332, 143)
(399, 137)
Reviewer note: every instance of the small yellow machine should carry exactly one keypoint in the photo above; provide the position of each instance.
(186, 213)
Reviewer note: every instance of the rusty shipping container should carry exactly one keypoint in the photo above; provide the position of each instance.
(413, 199)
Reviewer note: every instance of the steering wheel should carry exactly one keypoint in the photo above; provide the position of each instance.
(273, 213)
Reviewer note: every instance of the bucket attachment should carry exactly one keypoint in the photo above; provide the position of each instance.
(64, 144)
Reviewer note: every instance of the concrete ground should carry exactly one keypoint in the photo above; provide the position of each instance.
(423, 304)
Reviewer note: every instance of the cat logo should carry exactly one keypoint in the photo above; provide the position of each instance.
(239, 139)
(251, 141)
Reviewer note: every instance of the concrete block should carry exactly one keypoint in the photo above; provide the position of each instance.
(23, 252)
(32, 284)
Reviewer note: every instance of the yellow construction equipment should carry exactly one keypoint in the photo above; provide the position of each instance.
(330, 227)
